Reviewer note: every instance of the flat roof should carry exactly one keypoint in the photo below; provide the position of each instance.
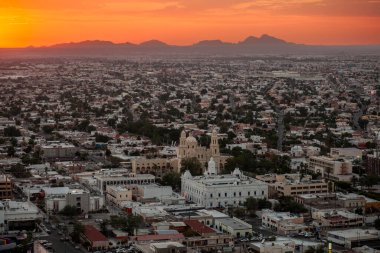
(234, 223)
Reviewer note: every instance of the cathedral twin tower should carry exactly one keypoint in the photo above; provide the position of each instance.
(189, 148)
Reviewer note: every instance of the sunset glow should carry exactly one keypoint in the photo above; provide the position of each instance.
(41, 22)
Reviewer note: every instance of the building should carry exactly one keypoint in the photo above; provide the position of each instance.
(200, 228)
(233, 226)
(102, 181)
(273, 247)
(57, 198)
(58, 150)
(213, 190)
(294, 184)
(334, 169)
(189, 148)
(282, 222)
(151, 191)
(15, 215)
(373, 164)
(156, 166)
(94, 239)
(336, 219)
(6, 187)
(347, 153)
(162, 247)
(338, 200)
(351, 238)
(212, 243)
(118, 194)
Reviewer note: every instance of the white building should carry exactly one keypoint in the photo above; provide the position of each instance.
(213, 190)
(353, 237)
(102, 181)
(233, 226)
(16, 215)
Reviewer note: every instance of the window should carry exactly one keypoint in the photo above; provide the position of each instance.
(234, 194)
(249, 193)
(225, 194)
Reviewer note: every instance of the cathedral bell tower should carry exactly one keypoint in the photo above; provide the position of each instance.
(182, 145)
(214, 145)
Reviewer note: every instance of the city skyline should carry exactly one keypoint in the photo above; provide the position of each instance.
(180, 22)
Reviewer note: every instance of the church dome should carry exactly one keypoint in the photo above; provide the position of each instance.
(191, 140)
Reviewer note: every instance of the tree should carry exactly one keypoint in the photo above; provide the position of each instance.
(11, 151)
(377, 224)
(103, 227)
(69, 211)
(172, 179)
(78, 229)
(19, 171)
(101, 138)
(252, 205)
(12, 131)
(193, 165)
(47, 129)
(287, 204)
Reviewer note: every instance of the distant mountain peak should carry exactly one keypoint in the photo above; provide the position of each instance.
(270, 39)
(210, 43)
(153, 43)
(263, 39)
(86, 43)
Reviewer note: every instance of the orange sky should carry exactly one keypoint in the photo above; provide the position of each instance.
(46, 22)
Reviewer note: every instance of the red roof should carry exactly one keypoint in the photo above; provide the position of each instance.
(199, 227)
(157, 237)
(93, 235)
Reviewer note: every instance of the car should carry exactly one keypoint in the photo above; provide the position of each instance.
(62, 238)
(77, 247)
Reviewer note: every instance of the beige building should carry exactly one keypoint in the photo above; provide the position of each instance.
(156, 166)
(118, 194)
(282, 221)
(5, 187)
(334, 169)
(293, 184)
(189, 148)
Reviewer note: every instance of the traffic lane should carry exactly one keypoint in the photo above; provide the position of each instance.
(58, 245)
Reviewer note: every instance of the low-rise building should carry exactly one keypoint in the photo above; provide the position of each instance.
(6, 187)
(118, 194)
(94, 239)
(337, 169)
(351, 238)
(58, 150)
(282, 222)
(233, 226)
(16, 215)
(102, 181)
(294, 184)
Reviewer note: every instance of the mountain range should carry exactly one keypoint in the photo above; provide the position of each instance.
(264, 45)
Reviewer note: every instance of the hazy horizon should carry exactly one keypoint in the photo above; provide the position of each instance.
(180, 22)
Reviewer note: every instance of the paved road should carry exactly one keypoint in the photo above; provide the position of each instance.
(58, 245)
(280, 129)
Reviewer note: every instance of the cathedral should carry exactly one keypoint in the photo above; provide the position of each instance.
(189, 148)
